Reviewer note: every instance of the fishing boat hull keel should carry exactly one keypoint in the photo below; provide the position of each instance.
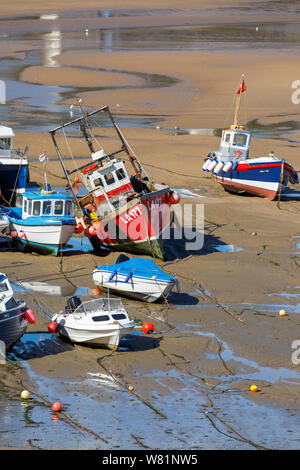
(263, 179)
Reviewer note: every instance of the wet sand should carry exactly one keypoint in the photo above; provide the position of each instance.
(223, 331)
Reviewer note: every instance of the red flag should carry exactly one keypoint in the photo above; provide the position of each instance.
(243, 87)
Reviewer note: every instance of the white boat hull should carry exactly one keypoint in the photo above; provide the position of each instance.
(56, 235)
(106, 336)
(149, 290)
(86, 329)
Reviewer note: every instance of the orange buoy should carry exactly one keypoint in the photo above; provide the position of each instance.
(131, 388)
(30, 317)
(52, 327)
(76, 180)
(148, 328)
(96, 291)
(56, 406)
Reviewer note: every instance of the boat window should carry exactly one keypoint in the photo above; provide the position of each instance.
(58, 207)
(119, 316)
(240, 139)
(3, 287)
(36, 208)
(227, 138)
(109, 178)
(11, 304)
(25, 205)
(98, 182)
(101, 318)
(4, 143)
(69, 208)
(29, 206)
(120, 174)
(47, 207)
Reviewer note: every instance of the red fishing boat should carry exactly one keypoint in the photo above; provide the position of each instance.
(121, 212)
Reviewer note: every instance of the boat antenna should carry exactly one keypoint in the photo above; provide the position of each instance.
(241, 89)
(43, 158)
(85, 127)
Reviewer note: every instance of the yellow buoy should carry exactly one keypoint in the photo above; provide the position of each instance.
(282, 313)
(253, 388)
(25, 394)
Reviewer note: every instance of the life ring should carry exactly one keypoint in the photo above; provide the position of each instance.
(89, 168)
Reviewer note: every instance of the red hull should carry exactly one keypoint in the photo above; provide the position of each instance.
(140, 226)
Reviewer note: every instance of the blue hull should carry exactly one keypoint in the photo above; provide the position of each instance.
(261, 178)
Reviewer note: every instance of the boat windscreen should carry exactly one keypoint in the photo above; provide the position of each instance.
(93, 306)
(3, 286)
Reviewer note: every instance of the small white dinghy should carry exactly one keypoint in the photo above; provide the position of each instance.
(138, 278)
(100, 322)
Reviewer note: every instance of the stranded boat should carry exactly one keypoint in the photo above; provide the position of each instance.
(14, 170)
(136, 278)
(45, 221)
(232, 167)
(122, 212)
(14, 315)
(100, 322)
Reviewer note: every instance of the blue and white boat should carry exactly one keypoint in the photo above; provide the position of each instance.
(231, 166)
(45, 221)
(138, 278)
(14, 169)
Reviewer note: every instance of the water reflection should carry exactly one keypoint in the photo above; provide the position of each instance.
(52, 48)
(48, 35)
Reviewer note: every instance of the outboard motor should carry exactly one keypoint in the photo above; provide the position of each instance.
(72, 304)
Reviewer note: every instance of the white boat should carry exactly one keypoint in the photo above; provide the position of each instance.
(14, 315)
(232, 167)
(138, 278)
(99, 322)
(45, 221)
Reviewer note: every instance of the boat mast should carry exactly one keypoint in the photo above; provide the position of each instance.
(238, 101)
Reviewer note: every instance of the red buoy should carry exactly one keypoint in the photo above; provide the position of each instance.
(52, 326)
(174, 198)
(14, 233)
(92, 231)
(148, 328)
(30, 317)
(78, 228)
(56, 406)
(21, 234)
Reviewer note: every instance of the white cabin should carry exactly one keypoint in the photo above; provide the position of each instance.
(6, 141)
(109, 182)
(235, 144)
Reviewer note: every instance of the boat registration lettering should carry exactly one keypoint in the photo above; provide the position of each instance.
(155, 204)
(132, 214)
